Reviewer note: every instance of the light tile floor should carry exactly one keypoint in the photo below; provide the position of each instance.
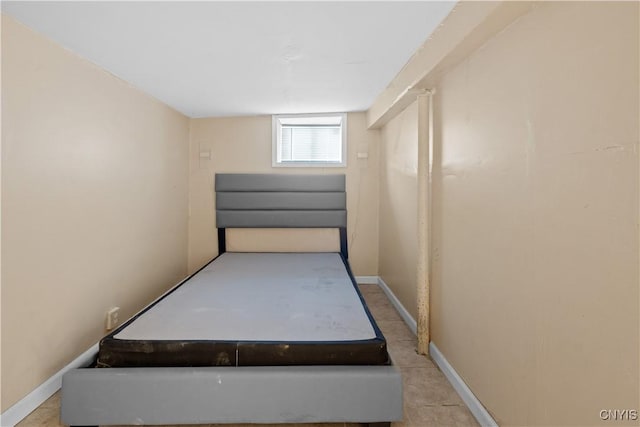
(429, 399)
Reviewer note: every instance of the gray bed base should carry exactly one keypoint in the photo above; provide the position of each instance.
(251, 394)
(256, 394)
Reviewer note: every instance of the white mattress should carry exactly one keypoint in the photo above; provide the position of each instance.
(260, 297)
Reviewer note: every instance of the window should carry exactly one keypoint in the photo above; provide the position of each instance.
(310, 140)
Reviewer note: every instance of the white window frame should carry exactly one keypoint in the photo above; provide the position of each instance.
(276, 128)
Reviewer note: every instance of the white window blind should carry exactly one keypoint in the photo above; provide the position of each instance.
(309, 140)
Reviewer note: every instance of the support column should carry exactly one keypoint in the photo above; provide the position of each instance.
(425, 138)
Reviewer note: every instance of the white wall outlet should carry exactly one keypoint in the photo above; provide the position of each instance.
(112, 317)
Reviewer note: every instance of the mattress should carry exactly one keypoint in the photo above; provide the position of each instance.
(254, 309)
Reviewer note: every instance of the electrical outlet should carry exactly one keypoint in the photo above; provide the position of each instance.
(112, 318)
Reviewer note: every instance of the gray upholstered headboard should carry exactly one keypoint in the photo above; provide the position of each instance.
(280, 201)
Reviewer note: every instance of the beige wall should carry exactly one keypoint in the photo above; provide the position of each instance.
(397, 262)
(535, 289)
(243, 145)
(94, 204)
(535, 204)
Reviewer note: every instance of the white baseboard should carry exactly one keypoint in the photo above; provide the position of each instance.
(367, 280)
(475, 406)
(30, 402)
(479, 412)
(408, 319)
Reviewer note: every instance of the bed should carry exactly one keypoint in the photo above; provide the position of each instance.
(250, 337)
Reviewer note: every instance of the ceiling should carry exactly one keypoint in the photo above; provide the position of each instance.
(243, 58)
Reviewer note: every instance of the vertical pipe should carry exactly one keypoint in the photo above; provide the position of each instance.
(425, 136)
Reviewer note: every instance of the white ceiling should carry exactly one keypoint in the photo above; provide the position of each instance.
(243, 58)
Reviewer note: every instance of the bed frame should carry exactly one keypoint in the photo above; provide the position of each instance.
(246, 394)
